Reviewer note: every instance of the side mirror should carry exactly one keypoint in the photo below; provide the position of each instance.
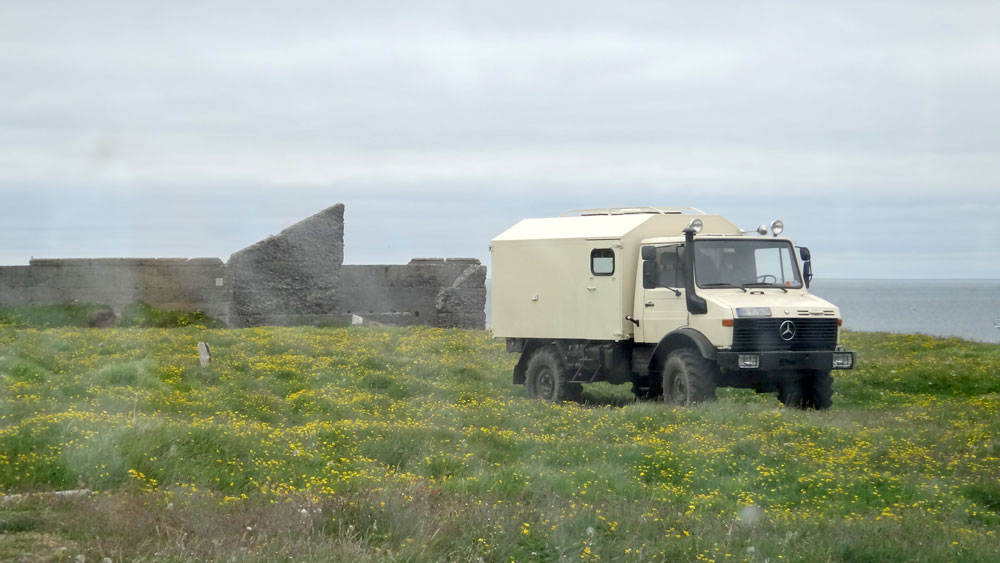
(648, 252)
(648, 273)
(807, 268)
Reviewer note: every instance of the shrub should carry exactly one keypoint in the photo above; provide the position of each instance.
(54, 316)
(140, 314)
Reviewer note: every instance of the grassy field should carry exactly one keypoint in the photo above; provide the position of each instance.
(411, 444)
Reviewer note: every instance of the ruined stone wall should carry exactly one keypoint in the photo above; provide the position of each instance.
(195, 284)
(437, 292)
(296, 277)
(292, 278)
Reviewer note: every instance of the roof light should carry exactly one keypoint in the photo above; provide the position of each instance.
(776, 227)
(695, 224)
(762, 230)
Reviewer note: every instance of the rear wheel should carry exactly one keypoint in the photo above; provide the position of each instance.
(546, 378)
(689, 378)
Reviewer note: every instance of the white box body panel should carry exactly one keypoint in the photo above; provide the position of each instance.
(543, 286)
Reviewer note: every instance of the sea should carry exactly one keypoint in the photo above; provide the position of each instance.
(967, 309)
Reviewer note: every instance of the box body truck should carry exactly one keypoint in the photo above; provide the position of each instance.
(674, 301)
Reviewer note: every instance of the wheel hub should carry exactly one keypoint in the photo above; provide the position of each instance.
(546, 384)
(679, 391)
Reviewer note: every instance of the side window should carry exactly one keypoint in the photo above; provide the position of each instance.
(668, 267)
(602, 261)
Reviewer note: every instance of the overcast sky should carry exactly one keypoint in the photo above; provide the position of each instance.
(197, 128)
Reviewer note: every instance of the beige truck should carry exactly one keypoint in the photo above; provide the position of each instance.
(675, 301)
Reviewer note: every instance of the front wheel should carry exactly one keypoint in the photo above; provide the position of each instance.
(814, 390)
(545, 378)
(689, 378)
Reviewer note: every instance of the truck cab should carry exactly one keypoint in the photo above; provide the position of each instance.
(675, 301)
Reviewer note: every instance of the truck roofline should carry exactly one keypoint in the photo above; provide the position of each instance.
(712, 236)
(660, 210)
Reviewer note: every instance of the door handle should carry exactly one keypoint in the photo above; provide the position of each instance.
(649, 304)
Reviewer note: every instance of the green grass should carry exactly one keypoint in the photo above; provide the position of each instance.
(50, 316)
(91, 314)
(381, 444)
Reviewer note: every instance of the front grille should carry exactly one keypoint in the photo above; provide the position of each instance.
(765, 335)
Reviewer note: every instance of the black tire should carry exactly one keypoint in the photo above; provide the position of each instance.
(813, 391)
(790, 393)
(546, 378)
(688, 378)
(647, 393)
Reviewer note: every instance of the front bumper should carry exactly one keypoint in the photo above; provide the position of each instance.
(785, 360)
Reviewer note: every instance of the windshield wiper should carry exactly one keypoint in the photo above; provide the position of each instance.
(760, 284)
(722, 284)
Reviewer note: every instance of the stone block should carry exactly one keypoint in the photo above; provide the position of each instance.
(462, 308)
(442, 292)
(47, 274)
(334, 319)
(393, 318)
(303, 276)
(162, 277)
(473, 277)
(192, 298)
(51, 262)
(15, 277)
(287, 301)
(421, 275)
(355, 275)
(321, 234)
(296, 272)
(287, 249)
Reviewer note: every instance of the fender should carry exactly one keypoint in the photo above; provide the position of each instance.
(522, 363)
(682, 338)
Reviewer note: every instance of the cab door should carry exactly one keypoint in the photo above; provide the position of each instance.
(662, 308)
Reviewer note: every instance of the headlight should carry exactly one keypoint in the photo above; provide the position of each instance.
(776, 227)
(748, 361)
(843, 360)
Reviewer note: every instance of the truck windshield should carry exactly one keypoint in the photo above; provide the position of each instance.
(746, 263)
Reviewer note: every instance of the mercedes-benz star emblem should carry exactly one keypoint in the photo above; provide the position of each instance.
(787, 330)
